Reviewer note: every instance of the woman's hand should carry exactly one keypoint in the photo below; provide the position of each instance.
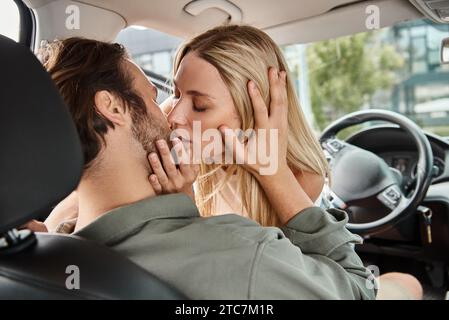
(166, 177)
(286, 195)
(270, 130)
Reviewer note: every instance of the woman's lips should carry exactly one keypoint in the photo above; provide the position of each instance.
(185, 140)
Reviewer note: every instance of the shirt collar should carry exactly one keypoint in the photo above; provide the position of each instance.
(119, 223)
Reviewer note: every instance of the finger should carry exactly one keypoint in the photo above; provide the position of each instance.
(182, 155)
(233, 145)
(276, 91)
(187, 170)
(167, 159)
(283, 108)
(159, 170)
(259, 106)
(155, 184)
(283, 76)
(186, 166)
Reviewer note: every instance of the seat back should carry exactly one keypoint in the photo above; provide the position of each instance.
(66, 267)
(40, 164)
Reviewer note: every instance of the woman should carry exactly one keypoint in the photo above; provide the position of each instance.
(213, 74)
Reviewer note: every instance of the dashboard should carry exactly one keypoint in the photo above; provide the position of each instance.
(405, 163)
(399, 151)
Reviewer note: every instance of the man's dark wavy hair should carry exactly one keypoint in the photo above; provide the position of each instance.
(82, 67)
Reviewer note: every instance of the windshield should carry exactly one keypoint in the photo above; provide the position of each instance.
(396, 68)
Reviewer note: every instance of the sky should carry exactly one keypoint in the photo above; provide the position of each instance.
(9, 19)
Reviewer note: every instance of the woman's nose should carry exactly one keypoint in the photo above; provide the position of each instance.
(178, 115)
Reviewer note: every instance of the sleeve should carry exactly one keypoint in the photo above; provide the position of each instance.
(314, 260)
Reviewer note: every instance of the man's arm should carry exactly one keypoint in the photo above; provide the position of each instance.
(315, 260)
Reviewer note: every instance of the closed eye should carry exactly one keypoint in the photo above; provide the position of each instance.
(198, 109)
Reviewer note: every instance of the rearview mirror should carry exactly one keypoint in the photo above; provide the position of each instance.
(445, 51)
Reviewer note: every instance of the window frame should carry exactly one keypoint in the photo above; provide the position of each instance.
(27, 25)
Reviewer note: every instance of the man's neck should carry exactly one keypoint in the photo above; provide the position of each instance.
(114, 182)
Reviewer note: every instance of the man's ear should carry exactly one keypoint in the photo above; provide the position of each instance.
(110, 107)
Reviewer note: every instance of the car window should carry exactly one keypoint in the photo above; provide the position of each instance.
(396, 68)
(9, 19)
(154, 52)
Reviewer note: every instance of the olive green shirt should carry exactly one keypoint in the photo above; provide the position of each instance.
(232, 257)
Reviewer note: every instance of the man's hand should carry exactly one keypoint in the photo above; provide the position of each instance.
(167, 178)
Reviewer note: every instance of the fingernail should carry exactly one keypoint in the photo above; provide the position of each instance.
(161, 143)
(153, 156)
(251, 85)
(153, 177)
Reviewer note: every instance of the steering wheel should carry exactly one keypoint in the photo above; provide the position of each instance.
(358, 174)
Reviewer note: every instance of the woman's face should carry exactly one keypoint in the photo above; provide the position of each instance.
(200, 98)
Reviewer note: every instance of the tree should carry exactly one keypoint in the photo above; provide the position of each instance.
(344, 73)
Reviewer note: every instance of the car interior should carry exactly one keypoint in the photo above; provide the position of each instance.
(390, 171)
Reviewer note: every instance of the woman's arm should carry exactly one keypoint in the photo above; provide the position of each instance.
(282, 187)
(67, 209)
(286, 195)
(312, 183)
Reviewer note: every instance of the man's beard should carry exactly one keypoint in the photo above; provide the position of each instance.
(147, 131)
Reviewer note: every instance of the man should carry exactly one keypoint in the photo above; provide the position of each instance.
(223, 257)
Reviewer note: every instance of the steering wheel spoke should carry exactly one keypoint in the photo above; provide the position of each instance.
(391, 197)
(332, 146)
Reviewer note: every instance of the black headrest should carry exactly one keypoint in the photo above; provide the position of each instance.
(40, 154)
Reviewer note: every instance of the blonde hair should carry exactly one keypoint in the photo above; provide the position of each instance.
(240, 54)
